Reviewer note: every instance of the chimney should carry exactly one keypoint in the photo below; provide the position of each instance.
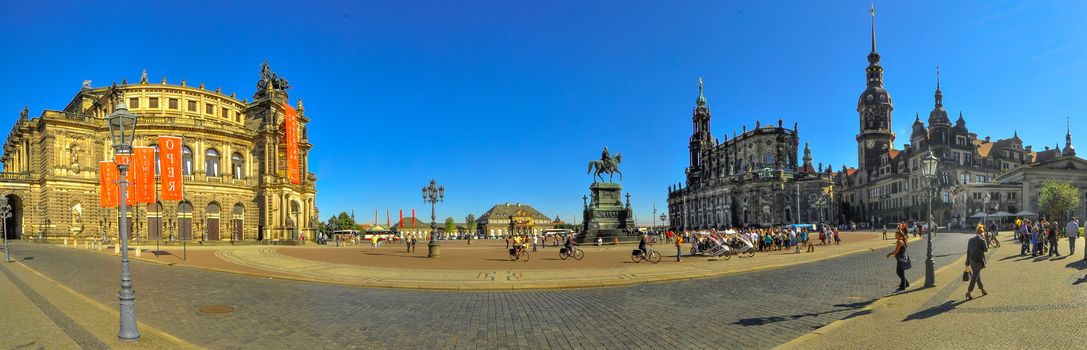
(986, 139)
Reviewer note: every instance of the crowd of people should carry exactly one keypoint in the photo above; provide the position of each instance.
(1042, 237)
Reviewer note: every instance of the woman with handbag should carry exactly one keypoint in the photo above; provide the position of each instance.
(902, 260)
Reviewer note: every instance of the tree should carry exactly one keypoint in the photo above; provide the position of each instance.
(450, 226)
(343, 221)
(1057, 199)
(470, 223)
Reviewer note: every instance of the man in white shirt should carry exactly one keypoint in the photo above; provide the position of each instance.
(1073, 233)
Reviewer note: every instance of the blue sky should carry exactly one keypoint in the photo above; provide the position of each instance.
(506, 101)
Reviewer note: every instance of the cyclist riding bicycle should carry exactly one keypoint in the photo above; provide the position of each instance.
(569, 244)
(642, 244)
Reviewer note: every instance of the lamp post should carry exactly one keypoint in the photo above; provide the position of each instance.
(928, 169)
(985, 208)
(433, 194)
(122, 130)
(664, 221)
(5, 213)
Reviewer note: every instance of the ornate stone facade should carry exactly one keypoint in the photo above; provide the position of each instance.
(749, 180)
(234, 165)
(512, 219)
(888, 187)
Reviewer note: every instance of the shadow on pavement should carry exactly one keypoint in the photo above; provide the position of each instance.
(758, 321)
(27, 258)
(935, 310)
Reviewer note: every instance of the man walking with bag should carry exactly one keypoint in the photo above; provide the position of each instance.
(1073, 232)
(975, 259)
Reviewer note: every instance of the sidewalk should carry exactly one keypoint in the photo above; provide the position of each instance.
(278, 262)
(43, 314)
(1032, 303)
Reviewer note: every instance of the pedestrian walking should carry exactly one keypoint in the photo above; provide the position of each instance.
(413, 241)
(884, 232)
(975, 260)
(902, 260)
(1024, 237)
(679, 248)
(1073, 233)
(407, 245)
(837, 237)
(1035, 240)
(534, 239)
(1053, 227)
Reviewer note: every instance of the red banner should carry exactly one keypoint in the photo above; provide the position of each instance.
(401, 224)
(291, 129)
(170, 168)
(145, 174)
(108, 192)
(412, 217)
(130, 177)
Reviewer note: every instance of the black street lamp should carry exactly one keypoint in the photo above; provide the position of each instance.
(5, 213)
(433, 194)
(122, 130)
(664, 219)
(928, 169)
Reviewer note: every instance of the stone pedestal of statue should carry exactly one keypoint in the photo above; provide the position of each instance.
(605, 216)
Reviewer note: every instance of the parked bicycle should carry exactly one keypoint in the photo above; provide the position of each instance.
(650, 255)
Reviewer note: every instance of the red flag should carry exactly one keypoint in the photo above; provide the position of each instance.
(401, 224)
(130, 177)
(412, 217)
(170, 167)
(291, 130)
(108, 192)
(388, 221)
(145, 174)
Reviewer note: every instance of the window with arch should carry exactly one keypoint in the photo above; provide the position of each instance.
(186, 160)
(237, 166)
(211, 162)
(768, 159)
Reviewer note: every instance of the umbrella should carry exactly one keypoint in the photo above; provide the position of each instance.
(1003, 214)
(1025, 213)
(979, 215)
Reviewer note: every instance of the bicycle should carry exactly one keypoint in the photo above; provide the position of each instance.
(574, 252)
(650, 255)
(518, 253)
(992, 240)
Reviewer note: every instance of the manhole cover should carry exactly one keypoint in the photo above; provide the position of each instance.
(216, 309)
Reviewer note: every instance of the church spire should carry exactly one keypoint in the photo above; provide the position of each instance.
(701, 100)
(1068, 149)
(872, 11)
(939, 96)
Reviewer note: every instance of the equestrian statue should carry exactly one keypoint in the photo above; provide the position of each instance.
(605, 165)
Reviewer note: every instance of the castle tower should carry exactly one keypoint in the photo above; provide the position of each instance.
(874, 107)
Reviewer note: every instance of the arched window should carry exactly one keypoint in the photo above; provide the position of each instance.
(768, 159)
(211, 162)
(237, 166)
(186, 160)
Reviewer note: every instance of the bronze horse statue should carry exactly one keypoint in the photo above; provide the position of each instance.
(608, 166)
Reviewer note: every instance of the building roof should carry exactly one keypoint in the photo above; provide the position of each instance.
(506, 210)
(984, 148)
(419, 223)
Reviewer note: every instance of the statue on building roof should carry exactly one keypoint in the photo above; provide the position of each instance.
(86, 84)
(143, 77)
(269, 80)
(25, 113)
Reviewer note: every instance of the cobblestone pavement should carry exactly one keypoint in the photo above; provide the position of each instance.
(754, 310)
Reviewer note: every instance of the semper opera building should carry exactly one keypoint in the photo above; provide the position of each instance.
(233, 164)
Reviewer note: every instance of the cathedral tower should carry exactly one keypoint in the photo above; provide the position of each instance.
(701, 138)
(874, 106)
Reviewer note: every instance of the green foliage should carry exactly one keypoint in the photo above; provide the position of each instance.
(1056, 199)
(343, 221)
(450, 225)
(470, 222)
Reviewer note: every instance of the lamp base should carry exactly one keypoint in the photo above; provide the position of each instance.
(433, 250)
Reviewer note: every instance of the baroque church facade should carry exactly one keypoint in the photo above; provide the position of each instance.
(888, 187)
(750, 180)
(233, 165)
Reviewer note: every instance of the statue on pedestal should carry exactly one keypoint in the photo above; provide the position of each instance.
(606, 165)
